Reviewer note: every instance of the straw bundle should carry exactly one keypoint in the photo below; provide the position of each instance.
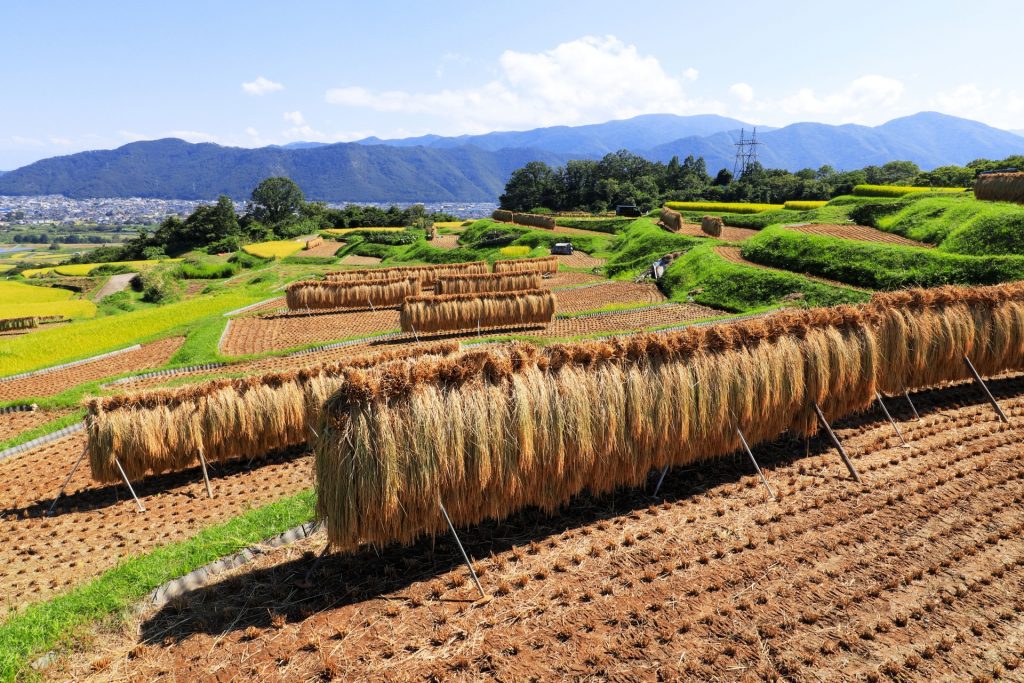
(543, 264)
(8, 324)
(534, 221)
(711, 225)
(320, 294)
(163, 430)
(673, 220)
(313, 243)
(1003, 187)
(502, 215)
(427, 274)
(489, 282)
(491, 431)
(449, 312)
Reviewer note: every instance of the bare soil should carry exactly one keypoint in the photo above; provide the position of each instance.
(354, 260)
(729, 234)
(856, 232)
(328, 248)
(733, 254)
(580, 260)
(589, 297)
(915, 575)
(447, 241)
(13, 424)
(113, 285)
(151, 355)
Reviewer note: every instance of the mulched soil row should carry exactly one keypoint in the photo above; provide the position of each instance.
(862, 233)
(733, 255)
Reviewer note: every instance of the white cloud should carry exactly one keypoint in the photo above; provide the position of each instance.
(996, 106)
(295, 118)
(190, 136)
(858, 102)
(743, 92)
(586, 80)
(56, 140)
(261, 86)
(691, 74)
(252, 132)
(28, 142)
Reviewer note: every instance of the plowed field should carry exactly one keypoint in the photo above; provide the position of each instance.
(580, 260)
(729, 234)
(354, 260)
(12, 424)
(149, 356)
(733, 254)
(856, 232)
(444, 242)
(590, 297)
(326, 249)
(915, 575)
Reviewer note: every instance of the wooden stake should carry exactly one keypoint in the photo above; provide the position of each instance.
(837, 444)
(981, 382)
(68, 480)
(906, 395)
(465, 557)
(661, 479)
(206, 476)
(891, 421)
(129, 485)
(757, 467)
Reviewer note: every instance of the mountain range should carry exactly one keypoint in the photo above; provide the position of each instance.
(474, 168)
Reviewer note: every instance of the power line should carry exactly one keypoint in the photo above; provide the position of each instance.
(746, 153)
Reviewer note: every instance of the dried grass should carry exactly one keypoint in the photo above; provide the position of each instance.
(321, 294)
(163, 430)
(489, 431)
(1003, 187)
(673, 220)
(543, 265)
(489, 282)
(427, 274)
(9, 324)
(711, 225)
(313, 243)
(449, 312)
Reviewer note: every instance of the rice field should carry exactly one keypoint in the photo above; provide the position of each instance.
(723, 207)
(275, 249)
(900, 190)
(81, 269)
(803, 205)
(341, 232)
(18, 300)
(515, 251)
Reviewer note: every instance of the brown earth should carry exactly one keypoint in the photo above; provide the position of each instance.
(589, 297)
(729, 234)
(566, 278)
(447, 241)
(563, 230)
(733, 255)
(856, 232)
(328, 248)
(354, 260)
(580, 260)
(12, 424)
(916, 575)
(151, 355)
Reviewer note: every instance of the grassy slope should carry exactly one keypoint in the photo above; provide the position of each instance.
(877, 266)
(45, 625)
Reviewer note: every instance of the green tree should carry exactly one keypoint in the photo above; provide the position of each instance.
(275, 201)
(530, 186)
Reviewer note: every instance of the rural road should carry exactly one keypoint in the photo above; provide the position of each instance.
(115, 284)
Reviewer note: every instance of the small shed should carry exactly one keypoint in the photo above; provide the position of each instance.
(629, 210)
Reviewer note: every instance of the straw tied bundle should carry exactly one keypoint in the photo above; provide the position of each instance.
(1006, 187)
(165, 430)
(543, 265)
(490, 282)
(427, 274)
(320, 294)
(449, 312)
(8, 324)
(491, 431)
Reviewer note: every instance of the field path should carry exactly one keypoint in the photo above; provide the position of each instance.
(733, 255)
(113, 285)
(916, 574)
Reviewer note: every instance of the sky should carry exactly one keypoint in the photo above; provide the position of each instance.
(98, 75)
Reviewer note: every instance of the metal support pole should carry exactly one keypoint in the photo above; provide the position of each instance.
(837, 444)
(885, 410)
(129, 485)
(206, 476)
(906, 395)
(981, 382)
(757, 467)
(68, 480)
(661, 480)
(465, 557)
(369, 301)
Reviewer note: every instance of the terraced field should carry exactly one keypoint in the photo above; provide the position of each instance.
(733, 255)
(327, 249)
(915, 575)
(856, 232)
(729, 234)
(13, 424)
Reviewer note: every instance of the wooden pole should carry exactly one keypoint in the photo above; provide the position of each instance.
(757, 467)
(661, 480)
(837, 444)
(465, 557)
(206, 476)
(981, 382)
(129, 485)
(885, 410)
(906, 395)
(68, 480)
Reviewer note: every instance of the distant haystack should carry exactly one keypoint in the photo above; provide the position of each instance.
(673, 220)
(1000, 187)
(489, 282)
(711, 225)
(322, 294)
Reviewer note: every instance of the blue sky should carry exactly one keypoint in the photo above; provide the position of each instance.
(79, 75)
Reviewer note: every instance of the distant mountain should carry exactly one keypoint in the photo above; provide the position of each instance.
(1018, 132)
(928, 139)
(340, 172)
(476, 167)
(594, 140)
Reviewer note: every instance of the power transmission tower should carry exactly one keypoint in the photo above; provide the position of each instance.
(746, 153)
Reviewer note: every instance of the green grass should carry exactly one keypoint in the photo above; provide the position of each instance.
(47, 625)
(88, 338)
(877, 266)
(43, 429)
(900, 190)
(641, 244)
(744, 289)
(724, 207)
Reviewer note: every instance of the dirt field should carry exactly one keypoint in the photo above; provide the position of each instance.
(856, 232)
(326, 249)
(12, 424)
(149, 356)
(580, 260)
(589, 297)
(353, 260)
(729, 234)
(733, 254)
(447, 241)
(916, 575)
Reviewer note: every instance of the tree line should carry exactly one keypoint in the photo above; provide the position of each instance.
(626, 178)
(277, 209)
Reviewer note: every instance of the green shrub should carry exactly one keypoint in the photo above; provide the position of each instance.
(382, 237)
(204, 271)
(224, 246)
(541, 211)
(157, 287)
(642, 244)
(246, 260)
(877, 266)
(309, 260)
